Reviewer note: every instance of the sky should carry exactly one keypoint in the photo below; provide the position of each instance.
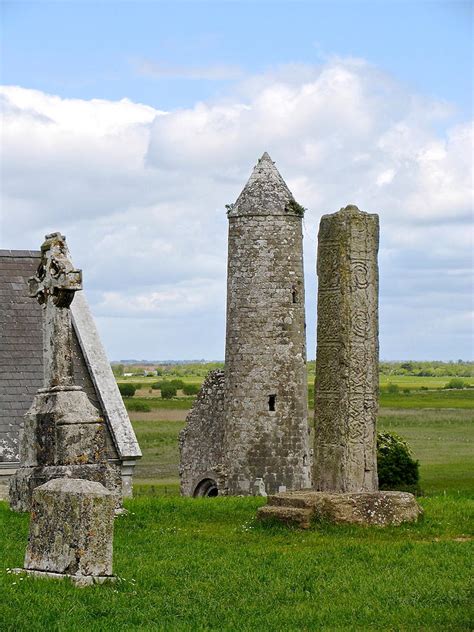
(128, 126)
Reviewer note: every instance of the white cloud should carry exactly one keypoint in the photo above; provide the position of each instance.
(140, 194)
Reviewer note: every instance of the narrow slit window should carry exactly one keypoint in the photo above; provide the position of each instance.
(294, 294)
(271, 402)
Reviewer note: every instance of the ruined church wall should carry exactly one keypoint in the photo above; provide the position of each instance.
(201, 441)
(266, 355)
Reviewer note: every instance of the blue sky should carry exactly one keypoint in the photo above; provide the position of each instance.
(129, 126)
(96, 49)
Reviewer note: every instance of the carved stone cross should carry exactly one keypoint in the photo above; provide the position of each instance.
(54, 286)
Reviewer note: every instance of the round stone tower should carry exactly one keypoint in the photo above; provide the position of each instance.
(266, 428)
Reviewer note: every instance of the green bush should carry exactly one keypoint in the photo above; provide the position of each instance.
(168, 390)
(127, 390)
(406, 391)
(455, 382)
(393, 388)
(191, 389)
(140, 407)
(397, 469)
(178, 384)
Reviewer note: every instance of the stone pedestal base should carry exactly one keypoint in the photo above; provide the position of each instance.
(27, 479)
(377, 508)
(78, 580)
(63, 437)
(71, 530)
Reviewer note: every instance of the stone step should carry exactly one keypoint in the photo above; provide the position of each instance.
(289, 500)
(292, 516)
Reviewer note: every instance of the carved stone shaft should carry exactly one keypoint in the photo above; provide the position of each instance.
(346, 390)
(54, 287)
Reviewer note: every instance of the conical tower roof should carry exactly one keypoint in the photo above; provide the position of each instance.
(265, 193)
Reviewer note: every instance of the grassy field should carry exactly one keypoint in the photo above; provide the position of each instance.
(403, 381)
(205, 564)
(436, 398)
(442, 441)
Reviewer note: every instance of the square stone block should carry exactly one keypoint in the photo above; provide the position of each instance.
(71, 529)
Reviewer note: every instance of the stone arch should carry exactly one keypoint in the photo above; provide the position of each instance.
(207, 487)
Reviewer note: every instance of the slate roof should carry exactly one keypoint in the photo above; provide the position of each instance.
(21, 361)
(21, 346)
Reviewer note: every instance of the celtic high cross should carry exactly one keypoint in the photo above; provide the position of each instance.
(54, 286)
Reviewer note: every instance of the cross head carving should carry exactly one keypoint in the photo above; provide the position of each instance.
(56, 280)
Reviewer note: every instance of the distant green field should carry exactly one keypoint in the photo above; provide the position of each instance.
(444, 398)
(159, 443)
(403, 381)
(409, 381)
(429, 399)
(156, 403)
(443, 443)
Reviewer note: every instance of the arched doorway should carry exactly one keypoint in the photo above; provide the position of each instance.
(207, 487)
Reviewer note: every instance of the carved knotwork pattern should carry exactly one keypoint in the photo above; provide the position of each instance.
(329, 368)
(329, 267)
(329, 316)
(329, 426)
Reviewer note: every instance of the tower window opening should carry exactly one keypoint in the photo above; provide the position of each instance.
(294, 294)
(271, 402)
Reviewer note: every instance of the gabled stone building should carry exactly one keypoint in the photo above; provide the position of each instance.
(248, 431)
(21, 368)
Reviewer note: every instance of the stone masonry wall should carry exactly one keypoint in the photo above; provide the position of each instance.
(201, 441)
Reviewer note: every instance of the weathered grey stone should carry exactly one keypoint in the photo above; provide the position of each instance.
(62, 427)
(375, 508)
(201, 440)
(26, 479)
(71, 529)
(259, 441)
(63, 432)
(290, 516)
(346, 388)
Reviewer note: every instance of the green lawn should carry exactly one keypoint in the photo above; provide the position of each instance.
(205, 564)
